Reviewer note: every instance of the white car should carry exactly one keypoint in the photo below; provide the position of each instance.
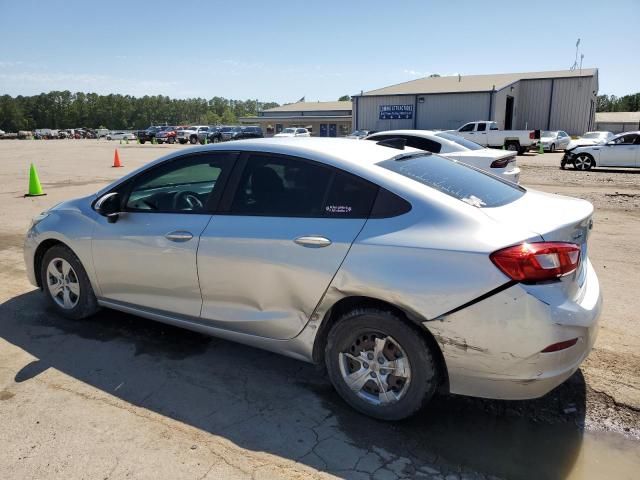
(120, 136)
(621, 151)
(488, 134)
(497, 162)
(293, 132)
(590, 138)
(554, 140)
(2, 132)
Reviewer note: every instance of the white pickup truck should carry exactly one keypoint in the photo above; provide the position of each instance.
(488, 134)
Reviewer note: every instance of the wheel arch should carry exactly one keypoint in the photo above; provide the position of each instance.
(41, 250)
(347, 304)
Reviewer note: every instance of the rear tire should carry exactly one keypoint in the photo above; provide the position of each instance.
(512, 146)
(552, 148)
(142, 142)
(171, 140)
(193, 140)
(61, 271)
(392, 386)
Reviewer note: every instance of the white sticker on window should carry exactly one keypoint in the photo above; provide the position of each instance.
(338, 208)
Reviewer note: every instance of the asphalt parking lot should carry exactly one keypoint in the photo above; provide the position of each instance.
(118, 396)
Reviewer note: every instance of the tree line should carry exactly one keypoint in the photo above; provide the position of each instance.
(63, 109)
(611, 103)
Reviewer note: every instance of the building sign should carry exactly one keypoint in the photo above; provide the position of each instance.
(393, 112)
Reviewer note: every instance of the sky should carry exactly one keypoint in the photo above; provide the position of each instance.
(282, 51)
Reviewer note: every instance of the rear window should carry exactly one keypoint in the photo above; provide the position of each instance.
(455, 179)
(460, 141)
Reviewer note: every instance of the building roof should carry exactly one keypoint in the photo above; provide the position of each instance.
(311, 107)
(618, 117)
(473, 83)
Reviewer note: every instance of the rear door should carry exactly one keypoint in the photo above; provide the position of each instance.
(285, 226)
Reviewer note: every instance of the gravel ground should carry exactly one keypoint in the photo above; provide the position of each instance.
(118, 396)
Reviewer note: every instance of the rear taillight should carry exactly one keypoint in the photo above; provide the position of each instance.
(532, 135)
(502, 162)
(537, 262)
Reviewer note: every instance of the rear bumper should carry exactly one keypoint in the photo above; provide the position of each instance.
(512, 175)
(492, 349)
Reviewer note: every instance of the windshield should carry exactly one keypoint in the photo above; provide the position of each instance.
(455, 179)
(460, 141)
(289, 130)
(548, 134)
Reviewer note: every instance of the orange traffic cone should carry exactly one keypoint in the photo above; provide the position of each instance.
(116, 160)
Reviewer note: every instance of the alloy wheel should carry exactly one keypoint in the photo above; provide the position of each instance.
(63, 283)
(582, 162)
(376, 368)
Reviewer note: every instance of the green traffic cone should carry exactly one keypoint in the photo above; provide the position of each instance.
(153, 140)
(503, 147)
(540, 149)
(206, 140)
(126, 140)
(35, 189)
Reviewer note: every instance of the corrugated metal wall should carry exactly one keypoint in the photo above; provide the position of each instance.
(572, 110)
(369, 112)
(616, 127)
(451, 110)
(533, 105)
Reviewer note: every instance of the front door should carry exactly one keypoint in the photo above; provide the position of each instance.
(323, 130)
(333, 130)
(148, 257)
(265, 263)
(620, 152)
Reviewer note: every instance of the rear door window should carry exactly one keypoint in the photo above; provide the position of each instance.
(455, 179)
(482, 127)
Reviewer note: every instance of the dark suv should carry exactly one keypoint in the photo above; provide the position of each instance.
(248, 132)
(149, 134)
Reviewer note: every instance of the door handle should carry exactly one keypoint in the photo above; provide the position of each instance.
(313, 241)
(179, 236)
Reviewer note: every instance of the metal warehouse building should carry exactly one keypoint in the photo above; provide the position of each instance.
(556, 100)
(322, 119)
(617, 122)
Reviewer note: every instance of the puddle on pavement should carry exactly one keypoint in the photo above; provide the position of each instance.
(497, 438)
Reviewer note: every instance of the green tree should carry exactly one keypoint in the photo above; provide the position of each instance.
(344, 98)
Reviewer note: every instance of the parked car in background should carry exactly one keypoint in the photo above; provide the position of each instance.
(212, 134)
(120, 136)
(554, 140)
(497, 162)
(360, 134)
(488, 134)
(620, 151)
(101, 132)
(190, 134)
(248, 132)
(591, 138)
(402, 272)
(148, 134)
(293, 132)
(227, 133)
(167, 135)
(2, 132)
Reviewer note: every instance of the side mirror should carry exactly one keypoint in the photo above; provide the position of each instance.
(109, 206)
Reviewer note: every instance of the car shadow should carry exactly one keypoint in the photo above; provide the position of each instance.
(266, 402)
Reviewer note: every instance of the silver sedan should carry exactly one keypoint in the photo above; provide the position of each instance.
(403, 272)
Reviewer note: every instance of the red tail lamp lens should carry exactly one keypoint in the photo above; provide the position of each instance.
(560, 346)
(537, 262)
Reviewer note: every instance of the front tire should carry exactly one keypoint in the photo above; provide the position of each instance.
(380, 365)
(193, 140)
(171, 140)
(583, 161)
(552, 148)
(66, 285)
